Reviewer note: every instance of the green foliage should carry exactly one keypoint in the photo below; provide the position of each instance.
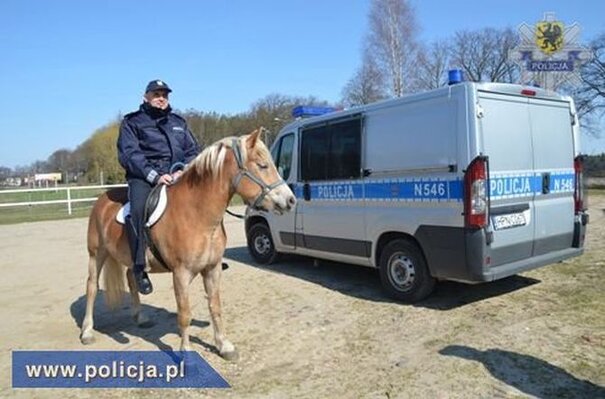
(102, 156)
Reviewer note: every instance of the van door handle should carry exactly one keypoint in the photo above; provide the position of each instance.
(546, 183)
(307, 192)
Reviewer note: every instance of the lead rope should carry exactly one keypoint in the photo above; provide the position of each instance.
(235, 214)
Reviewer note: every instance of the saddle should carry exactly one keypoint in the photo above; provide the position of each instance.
(154, 207)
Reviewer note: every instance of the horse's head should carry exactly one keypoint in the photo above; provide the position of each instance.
(257, 180)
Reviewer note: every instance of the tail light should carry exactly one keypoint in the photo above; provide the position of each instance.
(475, 193)
(578, 195)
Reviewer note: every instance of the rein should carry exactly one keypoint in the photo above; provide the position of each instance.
(235, 215)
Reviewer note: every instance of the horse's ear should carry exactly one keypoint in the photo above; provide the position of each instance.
(254, 136)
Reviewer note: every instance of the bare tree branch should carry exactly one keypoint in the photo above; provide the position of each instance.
(366, 86)
(432, 67)
(590, 95)
(392, 42)
(483, 54)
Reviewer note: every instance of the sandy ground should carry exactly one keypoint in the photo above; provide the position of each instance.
(326, 331)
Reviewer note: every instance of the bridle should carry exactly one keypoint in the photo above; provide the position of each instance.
(243, 171)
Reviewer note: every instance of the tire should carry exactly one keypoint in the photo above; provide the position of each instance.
(404, 273)
(260, 244)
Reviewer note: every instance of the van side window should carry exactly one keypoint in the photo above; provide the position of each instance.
(331, 152)
(282, 155)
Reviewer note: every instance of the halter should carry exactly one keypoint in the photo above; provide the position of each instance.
(243, 171)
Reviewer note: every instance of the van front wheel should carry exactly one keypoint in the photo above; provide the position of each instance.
(260, 244)
(403, 272)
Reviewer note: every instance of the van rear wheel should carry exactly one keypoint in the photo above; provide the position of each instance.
(403, 272)
(260, 244)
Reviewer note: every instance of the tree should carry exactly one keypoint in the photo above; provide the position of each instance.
(102, 156)
(274, 111)
(433, 64)
(59, 162)
(366, 86)
(5, 172)
(483, 55)
(392, 42)
(590, 95)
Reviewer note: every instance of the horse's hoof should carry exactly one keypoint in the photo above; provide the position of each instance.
(87, 339)
(230, 356)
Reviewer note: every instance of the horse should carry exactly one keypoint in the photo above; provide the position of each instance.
(190, 236)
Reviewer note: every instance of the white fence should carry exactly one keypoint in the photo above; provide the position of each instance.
(69, 201)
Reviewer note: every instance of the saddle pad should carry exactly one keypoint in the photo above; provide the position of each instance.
(156, 213)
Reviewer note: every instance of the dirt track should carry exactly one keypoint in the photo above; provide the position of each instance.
(326, 331)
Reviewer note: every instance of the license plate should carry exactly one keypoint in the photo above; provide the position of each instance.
(502, 222)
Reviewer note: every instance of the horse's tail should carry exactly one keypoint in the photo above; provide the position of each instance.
(113, 277)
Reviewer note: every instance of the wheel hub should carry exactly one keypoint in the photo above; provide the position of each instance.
(402, 271)
(262, 244)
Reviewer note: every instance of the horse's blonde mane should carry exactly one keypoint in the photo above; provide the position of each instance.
(210, 161)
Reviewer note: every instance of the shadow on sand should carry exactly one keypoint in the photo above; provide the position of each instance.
(528, 374)
(364, 282)
(119, 323)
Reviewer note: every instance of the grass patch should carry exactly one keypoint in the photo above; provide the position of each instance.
(37, 213)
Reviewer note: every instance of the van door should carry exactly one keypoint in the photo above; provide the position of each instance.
(332, 205)
(284, 226)
(507, 141)
(551, 127)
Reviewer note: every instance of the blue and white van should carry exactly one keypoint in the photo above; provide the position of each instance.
(472, 182)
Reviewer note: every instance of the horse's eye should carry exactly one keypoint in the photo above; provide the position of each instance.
(263, 165)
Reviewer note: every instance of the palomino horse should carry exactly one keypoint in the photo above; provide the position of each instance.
(190, 236)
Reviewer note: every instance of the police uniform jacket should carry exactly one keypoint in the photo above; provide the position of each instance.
(152, 140)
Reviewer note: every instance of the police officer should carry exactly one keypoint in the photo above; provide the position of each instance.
(151, 140)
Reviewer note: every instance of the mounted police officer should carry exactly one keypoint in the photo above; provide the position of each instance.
(151, 140)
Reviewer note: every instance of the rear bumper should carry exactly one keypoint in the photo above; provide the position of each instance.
(510, 269)
(461, 254)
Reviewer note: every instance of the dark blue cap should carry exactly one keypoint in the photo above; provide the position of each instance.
(157, 85)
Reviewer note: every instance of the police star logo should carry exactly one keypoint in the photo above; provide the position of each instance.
(549, 36)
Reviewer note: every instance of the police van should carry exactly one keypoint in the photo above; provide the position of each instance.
(471, 182)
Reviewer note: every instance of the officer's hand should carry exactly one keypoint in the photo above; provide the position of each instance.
(165, 179)
(176, 175)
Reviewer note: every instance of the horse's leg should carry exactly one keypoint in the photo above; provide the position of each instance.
(95, 264)
(212, 279)
(182, 278)
(140, 317)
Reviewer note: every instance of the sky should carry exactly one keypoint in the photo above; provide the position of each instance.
(67, 68)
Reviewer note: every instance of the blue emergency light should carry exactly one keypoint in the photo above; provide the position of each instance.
(302, 111)
(454, 76)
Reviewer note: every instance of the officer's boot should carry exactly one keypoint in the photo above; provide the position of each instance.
(144, 285)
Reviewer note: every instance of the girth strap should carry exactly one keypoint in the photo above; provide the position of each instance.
(147, 230)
